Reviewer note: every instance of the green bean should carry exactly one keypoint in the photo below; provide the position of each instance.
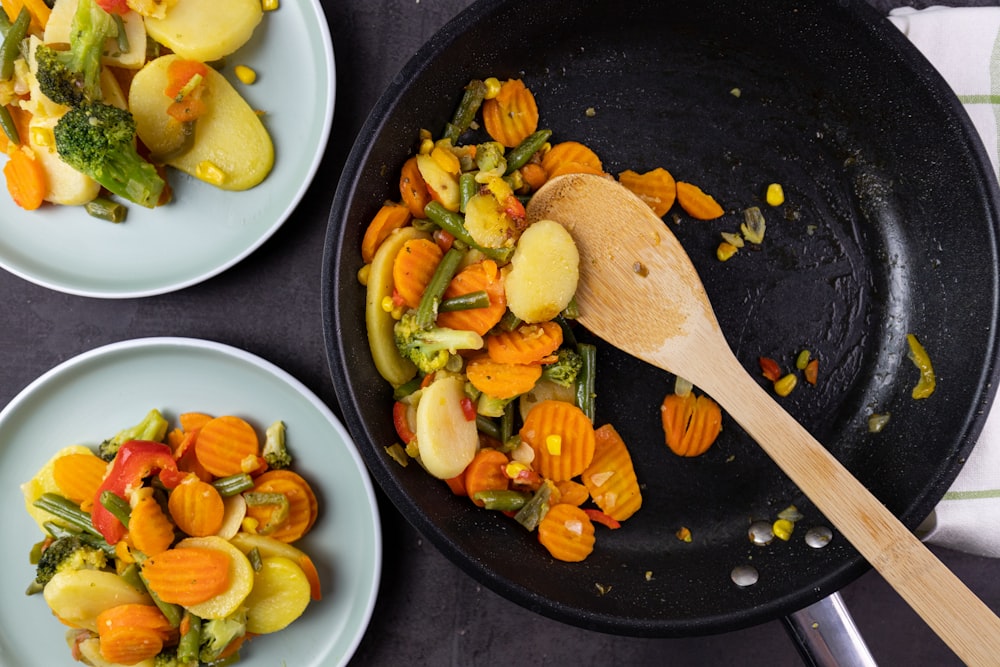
(103, 208)
(8, 125)
(117, 505)
(569, 336)
(520, 154)
(472, 99)
(255, 560)
(585, 379)
(190, 641)
(233, 484)
(467, 188)
(66, 510)
(501, 500)
(455, 225)
(477, 299)
(487, 426)
(122, 36)
(427, 309)
(507, 423)
(407, 388)
(531, 514)
(4, 24)
(509, 321)
(12, 43)
(57, 530)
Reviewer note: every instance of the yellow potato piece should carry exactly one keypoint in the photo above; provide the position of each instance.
(241, 578)
(77, 597)
(544, 272)
(206, 31)
(229, 135)
(59, 26)
(280, 595)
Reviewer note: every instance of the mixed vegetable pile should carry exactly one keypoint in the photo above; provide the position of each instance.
(469, 314)
(171, 547)
(97, 97)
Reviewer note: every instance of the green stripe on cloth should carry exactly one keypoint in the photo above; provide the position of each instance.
(995, 85)
(979, 99)
(972, 495)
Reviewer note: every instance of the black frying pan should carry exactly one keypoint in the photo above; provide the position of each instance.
(889, 228)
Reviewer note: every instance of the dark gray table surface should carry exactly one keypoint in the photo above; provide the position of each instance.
(429, 612)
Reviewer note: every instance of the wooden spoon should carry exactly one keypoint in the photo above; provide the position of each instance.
(640, 292)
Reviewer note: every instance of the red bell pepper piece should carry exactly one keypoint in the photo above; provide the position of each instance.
(119, 7)
(401, 421)
(597, 516)
(135, 460)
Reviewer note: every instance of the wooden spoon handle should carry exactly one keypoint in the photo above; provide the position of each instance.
(954, 612)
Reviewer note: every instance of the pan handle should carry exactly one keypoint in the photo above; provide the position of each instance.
(826, 636)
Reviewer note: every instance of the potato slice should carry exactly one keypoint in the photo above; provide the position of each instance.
(78, 596)
(447, 439)
(43, 481)
(206, 31)
(59, 26)
(280, 595)
(544, 273)
(229, 136)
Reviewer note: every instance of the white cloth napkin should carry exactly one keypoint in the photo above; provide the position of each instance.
(963, 44)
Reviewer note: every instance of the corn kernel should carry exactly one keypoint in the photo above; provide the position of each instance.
(802, 360)
(387, 304)
(775, 194)
(364, 273)
(269, 5)
(245, 74)
(210, 173)
(42, 136)
(492, 87)
(553, 443)
(784, 386)
(513, 468)
(782, 529)
(725, 251)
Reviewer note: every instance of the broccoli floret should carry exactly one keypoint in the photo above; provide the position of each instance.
(275, 452)
(98, 140)
(64, 554)
(73, 77)
(431, 348)
(566, 368)
(218, 633)
(152, 427)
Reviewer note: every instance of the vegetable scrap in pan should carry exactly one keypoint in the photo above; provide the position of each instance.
(173, 545)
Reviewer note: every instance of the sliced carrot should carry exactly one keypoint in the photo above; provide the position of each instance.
(811, 371)
(414, 267)
(26, 180)
(483, 276)
(486, 473)
(187, 575)
(175, 438)
(567, 532)
(512, 115)
(128, 646)
(149, 529)
(657, 188)
(697, 203)
(413, 189)
(39, 13)
(527, 344)
(690, 424)
(137, 615)
(457, 484)
(610, 477)
(390, 217)
(571, 157)
(562, 437)
(303, 506)
(192, 421)
(228, 445)
(501, 380)
(196, 507)
(78, 476)
(534, 175)
(572, 493)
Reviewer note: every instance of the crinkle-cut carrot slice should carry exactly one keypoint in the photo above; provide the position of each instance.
(413, 189)
(569, 157)
(389, 218)
(196, 507)
(562, 437)
(690, 423)
(512, 115)
(26, 179)
(486, 473)
(192, 421)
(697, 203)
(527, 344)
(227, 445)
(610, 477)
(501, 380)
(129, 646)
(657, 188)
(78, 476)
(187, 575)
(534, 175)
(413, 269)
(567, 532)
(149, 529)
(303, 506)
(137, 615)
(572, 493)
(481, 276)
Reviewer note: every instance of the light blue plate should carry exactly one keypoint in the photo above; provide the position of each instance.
(92, 396)
(204, 230)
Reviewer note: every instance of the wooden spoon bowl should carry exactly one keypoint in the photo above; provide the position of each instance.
(640, 292)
